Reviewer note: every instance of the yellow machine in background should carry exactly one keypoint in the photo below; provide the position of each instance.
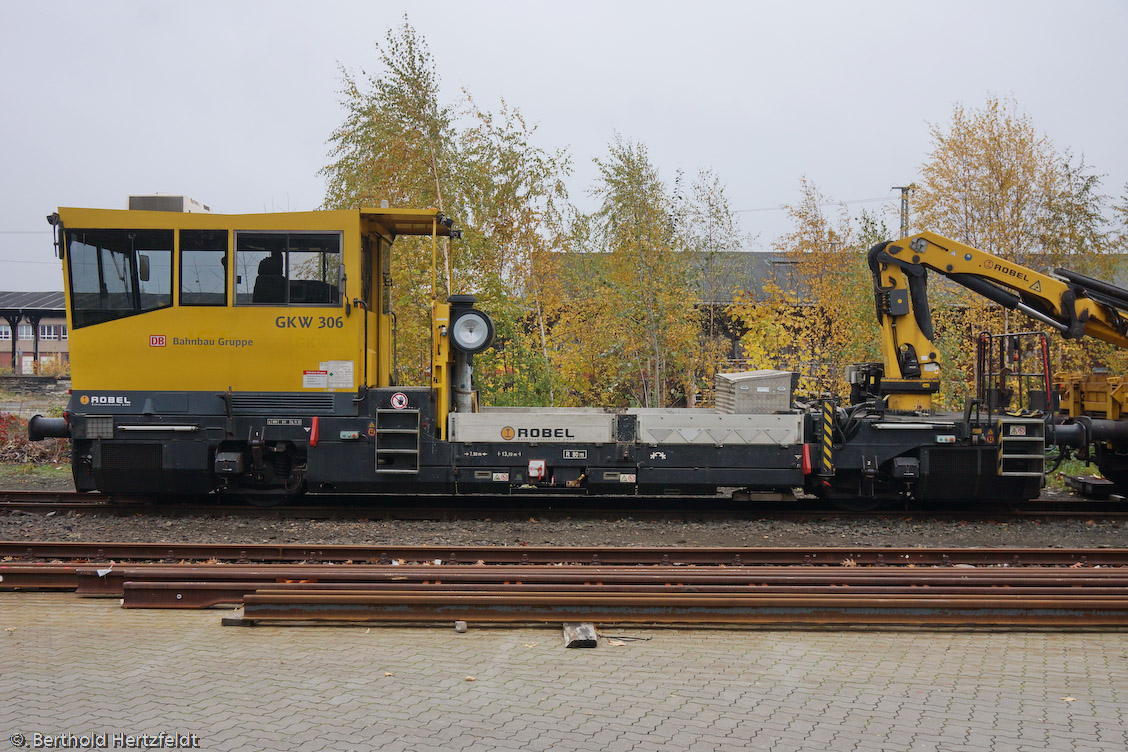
(1089, 414)
(1074, 307)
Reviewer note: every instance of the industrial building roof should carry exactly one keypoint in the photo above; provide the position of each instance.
(32, 301)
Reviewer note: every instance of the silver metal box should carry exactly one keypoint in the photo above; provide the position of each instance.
(753, 392)
(689, 426)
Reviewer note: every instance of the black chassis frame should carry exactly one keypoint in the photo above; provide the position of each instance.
(872, 464)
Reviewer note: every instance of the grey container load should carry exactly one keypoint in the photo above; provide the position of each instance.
(690, 426)
(534, 425)
(754, 392)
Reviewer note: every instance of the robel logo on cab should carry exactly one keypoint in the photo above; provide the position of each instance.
(98, 399)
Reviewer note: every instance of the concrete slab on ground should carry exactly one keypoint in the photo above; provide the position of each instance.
(73, 666)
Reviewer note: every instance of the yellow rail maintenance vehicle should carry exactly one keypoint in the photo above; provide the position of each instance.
(253, 356)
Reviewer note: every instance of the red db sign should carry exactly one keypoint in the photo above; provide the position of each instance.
(156, 340)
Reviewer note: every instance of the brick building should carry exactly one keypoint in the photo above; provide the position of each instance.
(33, 331)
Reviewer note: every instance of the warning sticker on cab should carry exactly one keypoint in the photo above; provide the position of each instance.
(315, 379)
(340, 373)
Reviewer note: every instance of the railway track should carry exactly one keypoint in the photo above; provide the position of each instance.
(284, 553)
(522, 507)
(517, 584)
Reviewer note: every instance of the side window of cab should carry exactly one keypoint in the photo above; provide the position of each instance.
(288, 269)
(203, 267)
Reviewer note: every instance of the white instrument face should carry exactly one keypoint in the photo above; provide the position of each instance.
(472, 331)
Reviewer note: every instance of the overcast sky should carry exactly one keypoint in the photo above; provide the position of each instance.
(232, 102)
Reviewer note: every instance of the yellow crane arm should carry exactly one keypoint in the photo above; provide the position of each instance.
(1075, 306)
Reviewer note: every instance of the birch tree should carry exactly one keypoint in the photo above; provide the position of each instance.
(710, 231)
(651, 294)
(514, 199)
(397, 143)
(402, 143)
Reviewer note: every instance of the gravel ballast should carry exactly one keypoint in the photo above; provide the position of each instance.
(841, 531)
(575, 532)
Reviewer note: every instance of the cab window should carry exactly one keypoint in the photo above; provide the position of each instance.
(203, 267)
(287, 269)
(118, 273)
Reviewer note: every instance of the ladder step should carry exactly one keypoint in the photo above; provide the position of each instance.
(391, 427)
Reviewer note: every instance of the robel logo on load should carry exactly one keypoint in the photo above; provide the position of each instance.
(509, 434)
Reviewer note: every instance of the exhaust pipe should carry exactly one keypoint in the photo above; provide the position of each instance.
(39, 428)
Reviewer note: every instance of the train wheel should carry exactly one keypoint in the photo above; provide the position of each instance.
(857, 503)
(260, 499)
(1114, 466)
(849, 499)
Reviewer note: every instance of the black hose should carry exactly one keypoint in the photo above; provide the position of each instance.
(39, 428)
(1063, 453)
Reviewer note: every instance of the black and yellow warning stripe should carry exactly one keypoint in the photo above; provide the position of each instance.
(827, 462)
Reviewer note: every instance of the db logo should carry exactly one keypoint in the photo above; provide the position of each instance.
(399, 400)
(156, 340)
(84, 400)
(507, 433)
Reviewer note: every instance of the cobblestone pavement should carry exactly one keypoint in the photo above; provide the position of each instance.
(77, 666)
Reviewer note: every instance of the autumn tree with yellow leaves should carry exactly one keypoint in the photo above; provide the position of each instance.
(397, 144)
(628, 329)
(400, 143)
(606, 308)
(823, 318)
(514, 207)
(991, 181)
